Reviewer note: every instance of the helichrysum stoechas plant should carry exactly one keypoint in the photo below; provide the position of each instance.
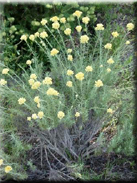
(78, 82)
(51, 99)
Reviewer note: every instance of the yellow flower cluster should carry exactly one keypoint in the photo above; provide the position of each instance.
(37, 99)
(52, 91)
(23, 37)
(43, 34)
(84, 39)
(8, 169)
(70, 57)
(5, 71)
(130, 26)
(85, 20)
(28, 118)
(108, 70)
(70, 72)
(34, 116)
(108, 46)
(1, 162)
(55, 25)
(21, 101)
(40, 114)
(28, 62)
(69, 50)
(47, 81)
(54, 19)
(99, 27)
(109, 111)
(115, 34)
(32, 37)
(60, 114)
(43, 21)
(63, 20)
(67, 31)
(89, 69)
(110, 61)
(31, 81)
(35, 85)
(33, 76)
(69, 83)
(36, 34)
(77, 14)
(3, 82)
(98, 83)
(80, 76)
(54, 52)
(127, 42)
(78, 28)
(77, 114)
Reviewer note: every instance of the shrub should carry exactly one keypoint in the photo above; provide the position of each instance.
(60, 111)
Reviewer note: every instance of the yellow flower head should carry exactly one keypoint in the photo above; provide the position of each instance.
(31, 82)
(33, 76)
(52, 91)
(85, 20)
(54, 19)
(36, 85)
(34, 116)
(28, 62)
(40, 114)
(47, 81)
(67, 31)
(21, 101)
(80, 76)
(70, 57)
(130, 26)
(3, 82)
(77, 114)
(63, 20)
(108, 70)
(98, 83)
(8, 169)
(28, 118)
(69, 83)
(37, 99)
(54, 52)
(69, 50)
(78, 28)
(55, 25)
(109, 111)
(101, 66)
(84, 39)
(32, 37)
(70, 72)
(43, 34)
(115, 34)
(38, 105)
(43, 21)
(1, 162)
(89, 69)
(110, 61)
(36, 34)
(5, 71)
(61, 115)
(99, 27)
(108, 46)
(127, 42)
(23, 37)
(77, 14)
